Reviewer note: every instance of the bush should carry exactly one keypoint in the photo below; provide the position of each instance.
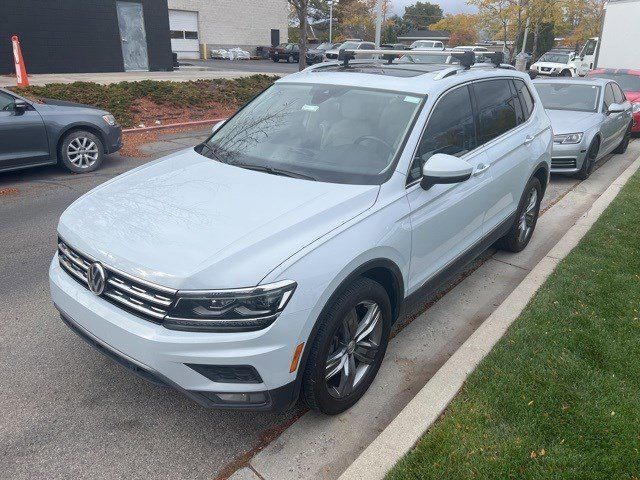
(120, 98)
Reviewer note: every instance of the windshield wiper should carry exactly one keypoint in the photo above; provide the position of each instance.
(273, 171)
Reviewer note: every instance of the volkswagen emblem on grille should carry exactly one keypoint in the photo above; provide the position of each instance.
(96, 278)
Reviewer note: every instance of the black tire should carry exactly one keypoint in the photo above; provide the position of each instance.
(625, 142)
(275, 59)
(323, 394)
(589, 161)
(81, 162)
(290, 59)
(566, 73)
(517, 238)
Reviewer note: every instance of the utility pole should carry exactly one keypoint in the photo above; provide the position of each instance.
(521, 58)
(378, 22)
(331, 3)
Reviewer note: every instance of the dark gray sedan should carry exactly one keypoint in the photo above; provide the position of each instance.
(34, 133)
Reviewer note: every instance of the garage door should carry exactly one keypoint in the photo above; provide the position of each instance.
(184, 34)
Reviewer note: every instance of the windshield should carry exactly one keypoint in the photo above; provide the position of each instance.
(569, 96)
(422, 58)
(324, 46)
(329, 133)
(349, 45)
(627, 82)
(555, 58)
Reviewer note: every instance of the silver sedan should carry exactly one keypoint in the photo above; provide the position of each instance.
(590, 119)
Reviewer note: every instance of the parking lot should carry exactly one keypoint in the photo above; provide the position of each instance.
(68, 412)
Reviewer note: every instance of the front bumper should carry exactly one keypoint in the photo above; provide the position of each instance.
(113, 139)
(635, 127)
(568, 159)
(163, 356)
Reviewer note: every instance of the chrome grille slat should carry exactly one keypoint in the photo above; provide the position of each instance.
(139, 296)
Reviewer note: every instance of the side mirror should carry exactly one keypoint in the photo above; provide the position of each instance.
(20, 106)
(217, 126)
(615, 108)
(444, 169)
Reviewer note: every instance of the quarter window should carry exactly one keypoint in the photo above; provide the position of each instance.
(525, 98)
(609, 97)
(496, 109)
(450, 130)
(617, 93)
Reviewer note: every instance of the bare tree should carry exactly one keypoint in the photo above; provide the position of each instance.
(301, 8)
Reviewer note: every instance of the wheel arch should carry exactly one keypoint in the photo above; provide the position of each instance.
(541, 172)
(382, 270)
(78, 126)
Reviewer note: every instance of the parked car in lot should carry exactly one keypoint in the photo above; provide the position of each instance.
(316, 54)
(254, 269)
(427, 45)
(360, 47)
(34, 133)
(289, 52)
(556, 63)
(629, 81)
(590, 119)
(394, 46)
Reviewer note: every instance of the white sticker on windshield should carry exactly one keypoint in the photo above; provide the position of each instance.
(411, 99)
(310, 108)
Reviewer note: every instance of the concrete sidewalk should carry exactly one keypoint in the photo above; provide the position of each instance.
(320, 447)
(115, 77)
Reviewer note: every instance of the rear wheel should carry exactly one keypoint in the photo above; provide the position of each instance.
(625, 142)
(348, 349)
(290, 59)
(589, 160)
(522, 229)
(81, 151)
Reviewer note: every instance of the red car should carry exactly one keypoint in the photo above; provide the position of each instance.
(629, 81)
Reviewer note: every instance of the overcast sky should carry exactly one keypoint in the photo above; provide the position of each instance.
(448, 6)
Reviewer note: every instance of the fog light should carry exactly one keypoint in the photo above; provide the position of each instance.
(249, 398)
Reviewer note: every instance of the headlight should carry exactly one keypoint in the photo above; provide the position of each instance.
(238, 310)
(110, 120)
(566, 138)
(635, 107)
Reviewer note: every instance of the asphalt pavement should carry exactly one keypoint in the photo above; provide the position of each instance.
(65, 410)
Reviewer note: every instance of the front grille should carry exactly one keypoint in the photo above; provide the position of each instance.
(563, 163)
(144, 299)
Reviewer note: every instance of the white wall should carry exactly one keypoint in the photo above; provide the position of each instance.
(233, 23)
(620, 40)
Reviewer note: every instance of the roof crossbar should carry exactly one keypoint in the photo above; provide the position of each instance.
(345, 56)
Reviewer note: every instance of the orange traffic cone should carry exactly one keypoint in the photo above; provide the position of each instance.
(21, 69)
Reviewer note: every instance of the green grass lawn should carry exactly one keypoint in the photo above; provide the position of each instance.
(559, 396)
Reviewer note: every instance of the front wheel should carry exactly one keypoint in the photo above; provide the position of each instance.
(81, 151)
(522, 229)
(589, 161)
(348, 348)
(566, 73)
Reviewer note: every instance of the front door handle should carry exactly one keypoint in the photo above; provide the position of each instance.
(528, 139)
(480, 169)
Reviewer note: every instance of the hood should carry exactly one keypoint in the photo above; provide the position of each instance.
(571, 121)
(551, 65)
(632, 96)
(59, 105)
(188, 222)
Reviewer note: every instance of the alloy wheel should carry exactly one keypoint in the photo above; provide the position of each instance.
(354, 348)
(528, 217)
(82, 152)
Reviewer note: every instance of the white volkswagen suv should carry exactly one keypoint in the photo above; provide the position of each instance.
(271, 261)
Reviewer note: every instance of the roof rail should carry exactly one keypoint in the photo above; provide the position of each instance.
(447, 72)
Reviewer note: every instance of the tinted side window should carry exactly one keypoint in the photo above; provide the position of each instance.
(526, 99)
(609, 97)
(617, 93)
(496, 109)
(450, 129)
(6, 101)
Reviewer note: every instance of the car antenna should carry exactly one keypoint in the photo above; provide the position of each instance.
(466, 58)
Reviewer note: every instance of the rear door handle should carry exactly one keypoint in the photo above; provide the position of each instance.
(528, 139)
(480, 169)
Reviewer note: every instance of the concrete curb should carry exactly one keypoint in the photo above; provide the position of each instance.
(423, 410)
